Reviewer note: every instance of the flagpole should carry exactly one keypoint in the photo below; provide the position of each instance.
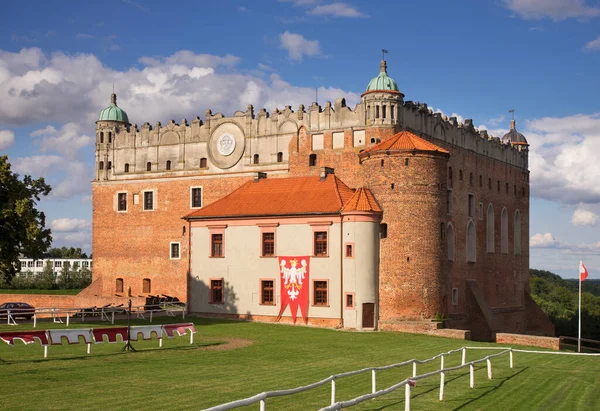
(579, 328)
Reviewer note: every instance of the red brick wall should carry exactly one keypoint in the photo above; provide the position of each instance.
(552, 343)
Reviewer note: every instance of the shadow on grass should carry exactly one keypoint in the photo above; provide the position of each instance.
(112, 354)
(436, 388)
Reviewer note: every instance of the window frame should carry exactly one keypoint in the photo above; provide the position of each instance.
(263, 243)
(192, 206)
(118, 205)
(316, 241)
(262, 290)
(211, 289)
(349, 246)
(353, 305)
(119, 282)
(314, 292)
(171, 244)
(146, 282)
(153, 192)
(454, 296)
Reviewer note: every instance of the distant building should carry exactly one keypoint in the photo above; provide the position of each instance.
(405, 215)
(37, 266)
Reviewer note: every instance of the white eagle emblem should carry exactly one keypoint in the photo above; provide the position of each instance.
(292, 277)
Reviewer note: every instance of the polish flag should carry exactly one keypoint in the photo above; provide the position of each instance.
(583, 272)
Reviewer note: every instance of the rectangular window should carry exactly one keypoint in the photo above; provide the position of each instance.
(471, 205)
(481, 211)
(122, 202)
(349, 250)
(148, 200)
(383, 228)
(175, 251)
(267, 295)
(349, 300)
(216, 245)
(321, 243)
(454, 296)
(29, 264)
(196, 197)
(216, 291)
(58, 264)
(39, 263)
(268, 244)
(320, 293)
(147, 286)
(119, 285)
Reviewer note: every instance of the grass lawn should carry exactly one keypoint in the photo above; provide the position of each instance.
(47, 292)
(270, 357)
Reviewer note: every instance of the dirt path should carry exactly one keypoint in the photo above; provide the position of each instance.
(230, 344)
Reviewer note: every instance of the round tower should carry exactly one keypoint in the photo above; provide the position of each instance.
(111, 120)
(382, 103)
(407, 175)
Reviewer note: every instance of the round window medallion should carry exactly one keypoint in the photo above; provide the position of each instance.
(225, 144)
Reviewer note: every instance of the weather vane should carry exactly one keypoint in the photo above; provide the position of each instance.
(383, 53)
(513, 113)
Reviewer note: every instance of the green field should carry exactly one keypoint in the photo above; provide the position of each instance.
(234, 360)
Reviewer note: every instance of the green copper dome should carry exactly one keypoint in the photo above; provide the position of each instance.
(113, 112)
(382, 81)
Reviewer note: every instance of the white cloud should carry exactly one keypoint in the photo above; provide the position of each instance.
(297, 46)
(336, 10)
(68, 140)
(69, 224)
(563, 158)
(546, 240)
(84, 36)
(593, 45)
(7, 139)
(553, 9)
(301, 2)
(584, 217)
(494, 121)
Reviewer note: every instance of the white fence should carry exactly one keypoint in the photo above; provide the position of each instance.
(106, 313)
(407, 383)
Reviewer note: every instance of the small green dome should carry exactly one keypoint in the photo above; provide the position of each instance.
(382, 81)
(113, 112)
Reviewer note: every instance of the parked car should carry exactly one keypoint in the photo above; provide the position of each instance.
(22, 310)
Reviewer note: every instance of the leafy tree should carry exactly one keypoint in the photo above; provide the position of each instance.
(65, 252)
(22, 226)
(45, 279)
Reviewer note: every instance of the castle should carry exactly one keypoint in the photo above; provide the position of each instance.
(398, 215)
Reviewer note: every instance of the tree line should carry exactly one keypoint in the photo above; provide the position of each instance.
(559, 298)
(69, 277)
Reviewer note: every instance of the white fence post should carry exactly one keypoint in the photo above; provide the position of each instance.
(112, 318)
(89, 348)
(489, 367)
(263, 405)
(442, 381)
(472, 377)
(407, 397)
(414, 369)
(511, 358)
(464, 356)
(34, 320)
(150, 315)
(68, 318)
(45, 351)
(442, 362)
(373, 382)
(333, 391)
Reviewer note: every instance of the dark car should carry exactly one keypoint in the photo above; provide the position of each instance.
(22, 310)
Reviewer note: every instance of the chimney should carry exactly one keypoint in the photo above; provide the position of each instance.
(325, 171)
(259, 175)
(512, 124)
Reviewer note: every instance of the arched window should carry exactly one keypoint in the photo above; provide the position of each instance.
(504, 232)
(368, 111)
(383, 112)
(460, 175)
(312, 160)
(101, 165)
(489, 183)
(471, 243)
(480, 180)
(127, 167)
(517, 230)
(148, 166)
(490, 229)
(101, 137)
(109, 137)
(203, 162)
(280, 157)
(471, 178)
(376, 111)
(168, 164)
(256, 159)
(449, 176)
(450, 239)
(109, 165)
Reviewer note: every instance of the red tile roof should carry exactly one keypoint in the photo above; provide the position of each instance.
(362, 200)
(405, 141)
(282, 196)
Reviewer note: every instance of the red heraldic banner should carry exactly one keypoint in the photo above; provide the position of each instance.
(294, 288)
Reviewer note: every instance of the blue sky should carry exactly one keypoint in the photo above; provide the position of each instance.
(175, 60)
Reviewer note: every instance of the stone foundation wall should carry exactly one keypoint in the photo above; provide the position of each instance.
(552, 343)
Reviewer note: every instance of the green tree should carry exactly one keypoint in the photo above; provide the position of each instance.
(45, 279)
(22, 225)
(64, 281)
